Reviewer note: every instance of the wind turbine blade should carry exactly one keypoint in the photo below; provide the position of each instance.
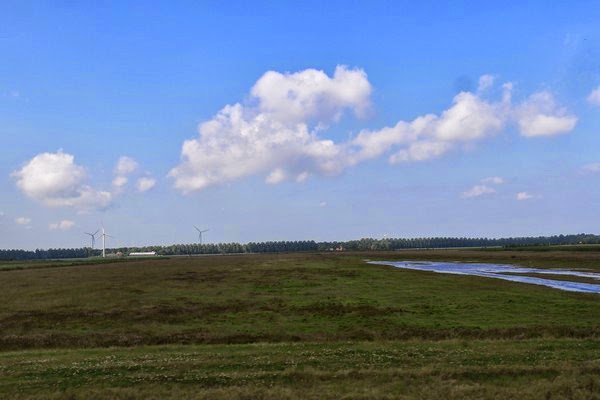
(196, 228)
(97, 230)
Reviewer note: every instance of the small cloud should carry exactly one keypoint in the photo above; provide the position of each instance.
(120, 181)
(521, 196)
(22, 220)
(125, 165)
(540, 115)
(323, 204)
(594, 97)
(63, 225)
(145, 184)
(593, 167)
(494, 180)
(485, 82)
(302, 177)
(478, 190)
(276, 176)
(55, 180)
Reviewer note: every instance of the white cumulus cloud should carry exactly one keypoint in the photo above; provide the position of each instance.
(22, 220)
(280, 132)
(63, 225)
(478, 190)
(144, 184)
(539, 115)
(55, 180)
(594, 97)
(521, 196)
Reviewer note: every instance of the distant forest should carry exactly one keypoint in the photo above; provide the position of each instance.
(307, 245)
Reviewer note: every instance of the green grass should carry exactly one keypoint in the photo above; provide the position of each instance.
(296, 326)
(410, 369)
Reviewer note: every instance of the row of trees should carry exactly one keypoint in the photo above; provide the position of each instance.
(449, 242)
(49, 254)
(306, 245)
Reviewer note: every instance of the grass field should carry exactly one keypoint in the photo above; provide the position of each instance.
(296, 326)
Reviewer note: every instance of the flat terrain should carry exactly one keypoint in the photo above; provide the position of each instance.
(296, 326)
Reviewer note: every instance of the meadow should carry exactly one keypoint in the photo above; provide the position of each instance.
(297, 325)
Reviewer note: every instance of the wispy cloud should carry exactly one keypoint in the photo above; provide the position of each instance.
(144, 184)
(593, 167)
(485, 82)
(63, 225)
(522, 196)
(478, 190)
(120, 181)
(124, 167)
(22, 220)
(594, 97)
(494, 180)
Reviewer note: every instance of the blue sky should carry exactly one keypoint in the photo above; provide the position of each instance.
(504, 92)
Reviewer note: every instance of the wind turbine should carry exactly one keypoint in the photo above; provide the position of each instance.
(93, 236)
(104, 235)
(200, 233)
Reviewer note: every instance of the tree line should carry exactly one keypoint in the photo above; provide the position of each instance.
(306, 245)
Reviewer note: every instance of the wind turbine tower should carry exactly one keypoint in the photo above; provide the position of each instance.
(200, 232)
(93, 236)
(104, 235)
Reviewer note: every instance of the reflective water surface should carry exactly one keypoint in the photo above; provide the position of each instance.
(501, 271)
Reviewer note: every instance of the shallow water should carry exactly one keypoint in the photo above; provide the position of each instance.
(498, 271)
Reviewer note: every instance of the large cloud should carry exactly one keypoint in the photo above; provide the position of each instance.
(469, 119)
(279, 133)
(55, 180)
(277, 136)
